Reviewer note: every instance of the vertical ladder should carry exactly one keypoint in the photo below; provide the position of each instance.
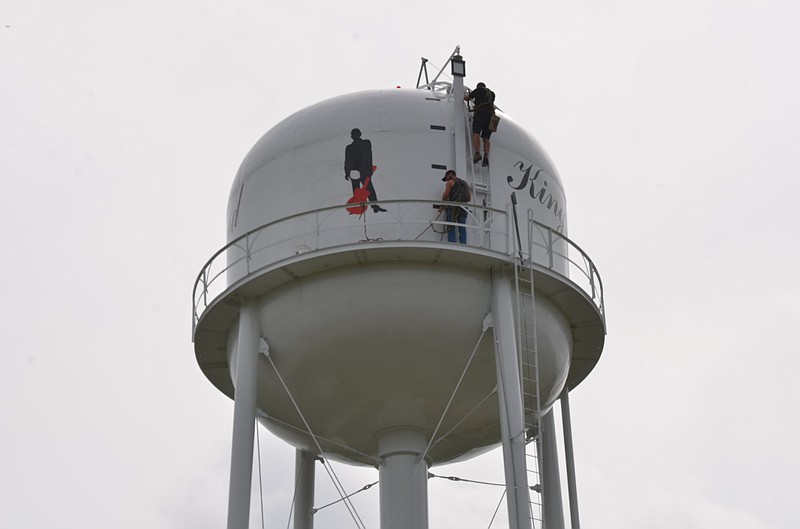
(477, 175)
(529, 380)
(478, 178)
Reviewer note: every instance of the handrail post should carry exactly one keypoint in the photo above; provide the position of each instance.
(484, 226)
(316, 229)
(399, 224)
(530, 238)
(205, 287)
(247, 252)
(509, 229)
(550, 246)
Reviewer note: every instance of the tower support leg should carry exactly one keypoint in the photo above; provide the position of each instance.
(244, 417)
(403, 480)
(509, 392)
(551, 483)
(569, 454)
(304, 487)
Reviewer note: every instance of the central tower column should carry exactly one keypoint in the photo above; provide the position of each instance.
(403, 480)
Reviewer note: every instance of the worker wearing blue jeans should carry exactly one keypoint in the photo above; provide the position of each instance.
(456, 190)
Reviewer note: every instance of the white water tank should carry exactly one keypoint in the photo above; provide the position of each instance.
(371, 319)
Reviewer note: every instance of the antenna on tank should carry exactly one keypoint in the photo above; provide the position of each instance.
(454, 58)
(423, 68)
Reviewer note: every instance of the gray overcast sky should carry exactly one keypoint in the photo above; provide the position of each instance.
(674, 126)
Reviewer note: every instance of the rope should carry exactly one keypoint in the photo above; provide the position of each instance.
(331, 473)
(432, 227)
(364, 217)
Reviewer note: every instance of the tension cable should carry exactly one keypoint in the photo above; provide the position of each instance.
(455, 478)
(331, 473)
(315, 510)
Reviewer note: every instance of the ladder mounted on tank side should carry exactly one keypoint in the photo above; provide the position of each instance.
(479, 178)
(477, 174)
(529, 381)
(528, 350)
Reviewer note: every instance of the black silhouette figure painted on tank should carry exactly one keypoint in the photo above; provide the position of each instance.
(358, 169)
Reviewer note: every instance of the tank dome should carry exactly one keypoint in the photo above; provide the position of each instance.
(298, 165)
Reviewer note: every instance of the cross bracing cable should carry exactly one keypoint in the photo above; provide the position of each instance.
(456, 478)
(294, 493)
(331, 473)
(438, 425)
(465, 480)
(362, 489)
(465, 417)
(496, 509)
(319, 437)
(453, 394)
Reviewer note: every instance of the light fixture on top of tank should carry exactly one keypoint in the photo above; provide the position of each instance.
(457, 66)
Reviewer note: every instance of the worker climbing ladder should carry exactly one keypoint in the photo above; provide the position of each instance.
(477, 174)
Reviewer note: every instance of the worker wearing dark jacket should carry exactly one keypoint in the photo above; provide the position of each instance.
(484, 109)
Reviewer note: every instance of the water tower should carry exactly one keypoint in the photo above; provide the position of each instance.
(340, 317)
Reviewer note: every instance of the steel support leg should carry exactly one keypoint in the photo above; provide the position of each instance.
(304, 489)
(551, 483)
(569, 454)
(509, 392)
(244, 417)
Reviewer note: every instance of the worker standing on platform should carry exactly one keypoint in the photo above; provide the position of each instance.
(484, 110)
(456, 190)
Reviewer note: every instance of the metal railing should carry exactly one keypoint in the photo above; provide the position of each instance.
(555, 251)
(411, 221)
